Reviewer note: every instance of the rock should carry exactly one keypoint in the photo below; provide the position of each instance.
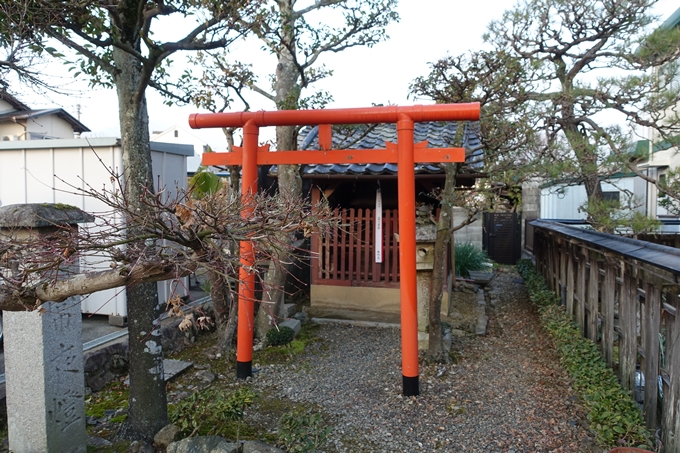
(205, 376)
(173, 368)
(302, 317)
(97, 442)
(289, 310)
(203, 444)
(255, 446)
(140, 447)
(167, 435)
(293, 324)
(482, 321)
(481, 277)
(447, 340)
(177, 396)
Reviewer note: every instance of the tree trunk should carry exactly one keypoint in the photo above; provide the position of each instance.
(148, 403)
(436, 352)
(225, 310)
(290, 184)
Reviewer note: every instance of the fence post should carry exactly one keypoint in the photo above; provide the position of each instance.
(670, 421)
(562, 247)
(570, 281)
(581, 292)
(608, 296)
(628, 325)
(593, 294)
(651, 323)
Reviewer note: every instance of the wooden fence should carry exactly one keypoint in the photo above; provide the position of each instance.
(345, 256)
(623, 294)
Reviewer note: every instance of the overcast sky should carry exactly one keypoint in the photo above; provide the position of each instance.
(428, 30)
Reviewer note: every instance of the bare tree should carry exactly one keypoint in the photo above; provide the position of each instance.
(174, 237)
(120, 45)
(298, 45)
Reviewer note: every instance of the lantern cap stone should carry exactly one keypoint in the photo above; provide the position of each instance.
(38, 215)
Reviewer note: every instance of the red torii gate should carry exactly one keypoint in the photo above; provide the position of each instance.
(405, 154)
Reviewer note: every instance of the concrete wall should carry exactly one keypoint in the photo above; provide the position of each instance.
(27, 175)
(470, 233)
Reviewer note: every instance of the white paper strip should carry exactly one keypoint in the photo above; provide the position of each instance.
(378, 227)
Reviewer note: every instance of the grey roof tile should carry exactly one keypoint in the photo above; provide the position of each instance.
(438, 135)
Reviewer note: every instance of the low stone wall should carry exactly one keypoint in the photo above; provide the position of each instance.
(111, 361)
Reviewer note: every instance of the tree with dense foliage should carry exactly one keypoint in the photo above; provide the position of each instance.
(565, 75)
(120, 44)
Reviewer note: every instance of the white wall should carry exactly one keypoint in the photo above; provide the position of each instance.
(27, 175)
(561, 201)
(50, 126)
(13, 130)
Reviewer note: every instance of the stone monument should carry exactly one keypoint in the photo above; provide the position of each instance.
(44, 351)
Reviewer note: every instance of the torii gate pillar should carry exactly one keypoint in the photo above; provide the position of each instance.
(405, 155)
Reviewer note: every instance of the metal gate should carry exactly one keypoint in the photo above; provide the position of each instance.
(502, 238)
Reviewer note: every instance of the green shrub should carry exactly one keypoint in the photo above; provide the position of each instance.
(302, 432)
(209, 412)
(470, 258)
(614, 417)
(277, 336)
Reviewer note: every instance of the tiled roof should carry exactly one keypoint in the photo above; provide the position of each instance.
(438, 135)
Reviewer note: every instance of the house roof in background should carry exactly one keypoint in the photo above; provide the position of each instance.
(437, 134)
(30, 114)
(14, 102)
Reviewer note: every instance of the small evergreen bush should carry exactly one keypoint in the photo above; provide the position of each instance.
(279, 336)
(470, 258)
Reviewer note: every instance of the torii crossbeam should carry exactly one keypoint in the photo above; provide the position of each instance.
(404, 153)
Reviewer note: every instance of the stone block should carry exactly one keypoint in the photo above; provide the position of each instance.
(482, 322)
(293, 324)
(301, 316)
(289, 310)
(172, 368)
(45, 380)
(117, 321)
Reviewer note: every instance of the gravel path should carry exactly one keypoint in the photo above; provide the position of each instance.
(507, 393)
